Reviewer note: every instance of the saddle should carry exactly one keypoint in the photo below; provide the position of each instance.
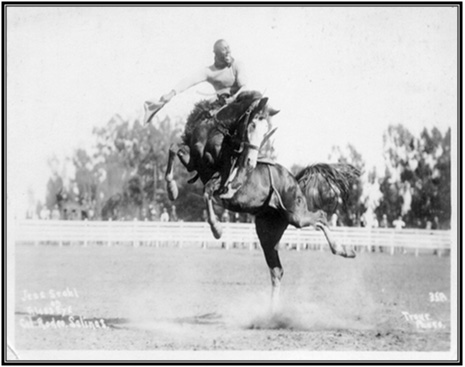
(266, 160)
(220, 117)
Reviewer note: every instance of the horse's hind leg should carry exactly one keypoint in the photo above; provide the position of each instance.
(304, 217)
(298, 214)
(171, 186)
(336, 248)
(270, 227)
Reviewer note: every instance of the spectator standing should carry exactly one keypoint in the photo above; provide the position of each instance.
(225, 217)
(384, 222)
(55, 213)
(152, 212)
(374, 222)
(334, 220)
(165, 217)
(45, 213)
(398, 223)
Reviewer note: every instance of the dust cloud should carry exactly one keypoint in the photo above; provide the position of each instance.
(341, 301)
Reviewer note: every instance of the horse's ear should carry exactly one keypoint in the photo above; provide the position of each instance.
(262, 103)
(272, 111)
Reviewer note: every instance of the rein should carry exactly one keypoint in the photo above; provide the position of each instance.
(239, 136)
(242, 134)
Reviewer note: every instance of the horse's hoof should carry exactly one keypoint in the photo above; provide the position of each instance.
(322, 218)
(217, 231)
(350, 254)
(172, 189)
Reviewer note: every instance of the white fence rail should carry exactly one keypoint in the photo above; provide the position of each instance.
(138, 233)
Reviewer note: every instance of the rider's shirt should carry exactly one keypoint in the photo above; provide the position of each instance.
(227, 80)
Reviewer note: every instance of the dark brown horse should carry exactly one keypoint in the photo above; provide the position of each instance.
(278, 199)
(267, 190)
(214, 138)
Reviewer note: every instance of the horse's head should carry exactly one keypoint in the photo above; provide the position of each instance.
(257, 132)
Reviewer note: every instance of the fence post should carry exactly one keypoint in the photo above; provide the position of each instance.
(86, 231)
(108, 233)
(297, 240)
(180, 242)
(36, 243)
(135, 243)
(392, 237)
(60, 242)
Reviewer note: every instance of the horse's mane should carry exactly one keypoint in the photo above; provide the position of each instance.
(199, 114)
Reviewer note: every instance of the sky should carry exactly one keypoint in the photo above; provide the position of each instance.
(338, 75)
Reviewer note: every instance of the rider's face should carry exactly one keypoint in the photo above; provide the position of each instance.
(223, 53)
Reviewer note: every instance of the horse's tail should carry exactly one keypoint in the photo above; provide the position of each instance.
(327, 185)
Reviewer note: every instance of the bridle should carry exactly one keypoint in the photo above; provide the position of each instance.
(239, 137)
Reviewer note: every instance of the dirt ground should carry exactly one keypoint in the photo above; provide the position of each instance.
(123, 298)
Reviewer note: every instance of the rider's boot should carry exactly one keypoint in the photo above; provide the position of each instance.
(235, 181)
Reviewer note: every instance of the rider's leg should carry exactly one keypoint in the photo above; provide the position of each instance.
(288, 196)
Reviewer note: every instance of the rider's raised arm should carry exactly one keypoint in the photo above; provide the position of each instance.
(186, 83)
(197, 77)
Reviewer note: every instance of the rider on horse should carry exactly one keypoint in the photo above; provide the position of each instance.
(226, 75)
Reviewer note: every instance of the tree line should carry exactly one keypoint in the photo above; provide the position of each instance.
(122, 178)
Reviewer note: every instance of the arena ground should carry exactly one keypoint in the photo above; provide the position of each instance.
(147, 298)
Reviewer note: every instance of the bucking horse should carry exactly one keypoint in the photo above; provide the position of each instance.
(222, 146)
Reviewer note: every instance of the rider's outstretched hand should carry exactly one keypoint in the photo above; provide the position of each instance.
(167, 97)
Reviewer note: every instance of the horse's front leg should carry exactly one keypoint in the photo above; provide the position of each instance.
(171, 185)
(215, 225)
(185, 156)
